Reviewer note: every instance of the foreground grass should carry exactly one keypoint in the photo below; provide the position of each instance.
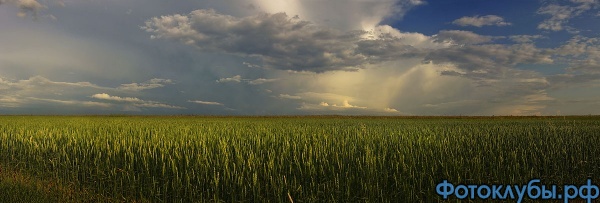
(18, 186)
(306, 159)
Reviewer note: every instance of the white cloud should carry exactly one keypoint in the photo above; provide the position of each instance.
(324, 101)
(460, 37)
(250, 65)
(206, 102)
(583, 57)
(105, 96)
(40, 81)
(10, 101)
(75, 102)
(561, 14)
(150, 84)
(40, 91)
(152, 104)
(392, 110)
(579, 46)
(261, 81)
(287, 96)
(236, 78)
(480, 21)
(134, 101)
(21, 93)
(345, 105)
(525, 38)
(393, 37)
(210, 103)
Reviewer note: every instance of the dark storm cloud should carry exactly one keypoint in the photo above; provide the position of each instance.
(490, 56)
(280, 41)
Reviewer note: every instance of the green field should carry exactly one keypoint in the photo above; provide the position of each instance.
(283, 159)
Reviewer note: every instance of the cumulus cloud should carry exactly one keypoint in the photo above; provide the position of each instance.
(150, 84)
(134, 101)
(461, 37)
(525, 38)
(345, 105)
(480, 21)
(280, 41)
(388, 34)
(26, 7)
(317, 101)
(392, 110)
(561, 14)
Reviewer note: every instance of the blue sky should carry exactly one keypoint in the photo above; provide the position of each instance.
(300, 57)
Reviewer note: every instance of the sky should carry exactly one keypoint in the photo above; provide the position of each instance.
(300, 57)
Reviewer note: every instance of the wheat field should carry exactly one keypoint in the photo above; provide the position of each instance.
(285, 159)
